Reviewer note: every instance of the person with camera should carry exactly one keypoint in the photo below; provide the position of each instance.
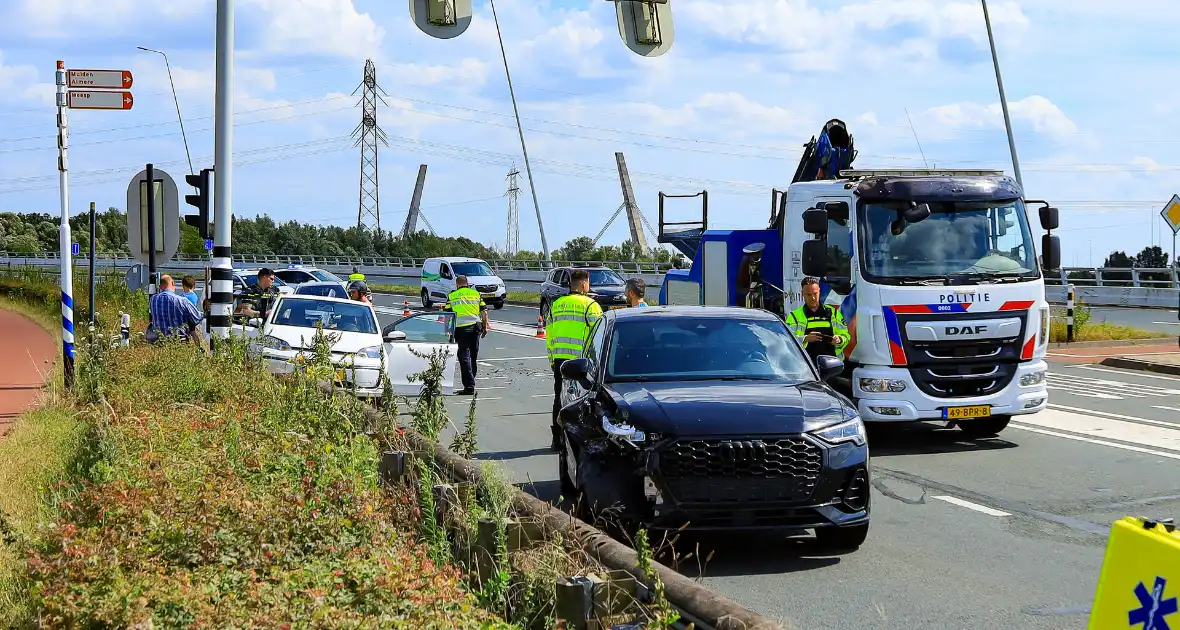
(819, 327)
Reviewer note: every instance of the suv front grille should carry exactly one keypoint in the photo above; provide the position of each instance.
(486, 288)
(737, 470)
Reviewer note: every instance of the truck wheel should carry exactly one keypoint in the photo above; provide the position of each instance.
(840, 538)
(984, 427)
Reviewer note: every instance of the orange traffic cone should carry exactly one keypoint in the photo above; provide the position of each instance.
(540, 328)
(406, 309)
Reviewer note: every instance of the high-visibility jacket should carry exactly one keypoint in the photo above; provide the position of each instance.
(466, 304)
(828, 321)
(356, 276)
(570, 319)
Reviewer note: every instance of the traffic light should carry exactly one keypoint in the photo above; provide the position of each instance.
(200, 200)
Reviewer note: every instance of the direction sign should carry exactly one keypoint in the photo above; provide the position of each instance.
(208, 244)
(99, 79)
(1171, 213)
(167, 216)
(78, 99)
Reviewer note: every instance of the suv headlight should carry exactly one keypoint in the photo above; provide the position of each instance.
(880, 385)
(1032, 378)
(274, 343)
(372, 352)
(848, 431)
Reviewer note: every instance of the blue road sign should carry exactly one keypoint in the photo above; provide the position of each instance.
(75, 248)
(208, 244)
(1153, 608)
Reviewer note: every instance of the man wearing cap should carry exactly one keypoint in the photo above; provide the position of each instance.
(359, 291)
(471, 324)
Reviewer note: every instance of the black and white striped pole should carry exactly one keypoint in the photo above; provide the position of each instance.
(1069, 313)
(221, 268)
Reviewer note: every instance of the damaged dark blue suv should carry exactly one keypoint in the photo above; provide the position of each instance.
(712, 418)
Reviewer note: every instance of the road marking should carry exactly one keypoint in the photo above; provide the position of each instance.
(1090, 425)
(480, 389)
(1105, 388)
(1165, 408)
(1125, 447)
(542, 395)
(485, 364)
(1168, 323)
(971, 506)
(517, 359)
(468, 402)
(1109, 371)
(1086, 394)
(1115, 416)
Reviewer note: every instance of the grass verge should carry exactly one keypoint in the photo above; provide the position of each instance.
(1087, 330)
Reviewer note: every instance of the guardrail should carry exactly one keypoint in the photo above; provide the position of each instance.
(1127, 287)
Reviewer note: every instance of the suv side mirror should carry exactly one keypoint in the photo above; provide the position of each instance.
(1050, 218)
(815, 221)
(255, 322)
(829, 367)
(815, 258)
(577, 370)
(395, 335)
(1050, 252)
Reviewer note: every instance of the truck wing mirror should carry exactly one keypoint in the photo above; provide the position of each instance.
(1050, 252)
(837, 209)
(815, 221)
(1049, 217)
(815, 258)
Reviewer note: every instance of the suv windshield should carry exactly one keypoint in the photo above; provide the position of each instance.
(326, 290)
(605, 278)
(338, 316)
(472, 269)
(706, 348)
(959, 241)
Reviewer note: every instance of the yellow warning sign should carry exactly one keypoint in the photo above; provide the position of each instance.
(1171, 213)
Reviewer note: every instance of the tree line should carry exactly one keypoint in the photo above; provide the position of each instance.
(37, 232)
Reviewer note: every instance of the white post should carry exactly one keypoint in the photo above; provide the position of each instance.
(67, 271)
(221, 273)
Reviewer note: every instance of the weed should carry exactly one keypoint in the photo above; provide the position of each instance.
(465, 443)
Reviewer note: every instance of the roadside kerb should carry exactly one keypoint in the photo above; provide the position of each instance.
(1157, 367)
(702, 607)
(1111, 343)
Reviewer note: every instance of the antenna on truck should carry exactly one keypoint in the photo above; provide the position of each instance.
(916, 141)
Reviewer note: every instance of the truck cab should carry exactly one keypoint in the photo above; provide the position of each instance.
(935, 273)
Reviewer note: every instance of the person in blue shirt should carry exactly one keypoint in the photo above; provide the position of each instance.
(635, 290)
(189, 285)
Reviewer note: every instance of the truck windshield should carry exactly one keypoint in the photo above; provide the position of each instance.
(958, 242)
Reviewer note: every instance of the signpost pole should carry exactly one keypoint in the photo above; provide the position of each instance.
(67, 276)
(221, 273)
(151, 225)
(93, 315)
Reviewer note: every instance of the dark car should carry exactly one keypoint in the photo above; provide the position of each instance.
(606, 287)
(712, 417)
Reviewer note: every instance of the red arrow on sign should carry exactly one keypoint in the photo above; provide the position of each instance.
(99, 79)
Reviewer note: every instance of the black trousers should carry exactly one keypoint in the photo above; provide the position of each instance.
(557, 389)
(468, 339)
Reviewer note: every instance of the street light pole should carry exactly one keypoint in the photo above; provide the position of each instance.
(1003, 99)
(177, 101)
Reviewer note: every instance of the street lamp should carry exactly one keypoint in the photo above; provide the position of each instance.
(177, 101)
(1003, 100)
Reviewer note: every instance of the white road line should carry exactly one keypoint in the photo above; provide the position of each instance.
(971, 506)
(1167, 323)
(1116, 416)
(1095, 426)
(1123, 373)
(480, 389)
(485, 364)
(542, 395)
(1125, 447)
(1165, 408)
(468, 402)
(1086, 394)
(516, 359)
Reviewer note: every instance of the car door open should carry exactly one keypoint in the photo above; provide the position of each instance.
(409, 343)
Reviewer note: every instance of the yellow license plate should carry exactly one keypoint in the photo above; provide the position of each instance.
(487, 295)
(964, 413)
(339, 376)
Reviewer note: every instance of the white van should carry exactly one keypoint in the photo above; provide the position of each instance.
(438, 280)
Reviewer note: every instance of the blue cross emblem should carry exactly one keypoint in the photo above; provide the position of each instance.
(1152, 607)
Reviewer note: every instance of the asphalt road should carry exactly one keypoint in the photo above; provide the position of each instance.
(1001, 533)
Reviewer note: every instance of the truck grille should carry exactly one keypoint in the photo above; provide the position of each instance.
(737, 470)
(963, 369)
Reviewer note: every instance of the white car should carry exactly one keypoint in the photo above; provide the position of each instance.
(244, 278)
(285, 339)
(296, 275)
(438, 280)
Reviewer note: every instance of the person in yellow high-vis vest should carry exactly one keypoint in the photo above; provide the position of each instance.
(471, 324)
(356, 275)
(570, 319)
(819, 327)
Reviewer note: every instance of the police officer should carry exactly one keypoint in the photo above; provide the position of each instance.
(570, 319)
(257, 299)
(471, 324)
(356, 275)
(820, 327)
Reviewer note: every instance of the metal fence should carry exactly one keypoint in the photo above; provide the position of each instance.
(1129, 287)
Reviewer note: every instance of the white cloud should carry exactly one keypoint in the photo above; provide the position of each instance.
(327, 27)
(68, 18)
(1041, 113)
(19, 83)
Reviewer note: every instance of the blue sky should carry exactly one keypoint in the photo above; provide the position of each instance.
(1092, 88)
